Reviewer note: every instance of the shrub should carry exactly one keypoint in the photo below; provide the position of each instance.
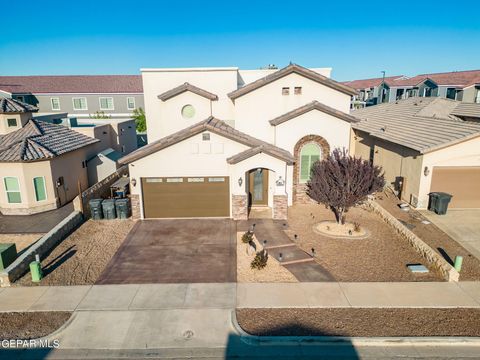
(260, 260)
(356, 226)
(247, 237)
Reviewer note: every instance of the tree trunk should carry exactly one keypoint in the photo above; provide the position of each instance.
(339, 217)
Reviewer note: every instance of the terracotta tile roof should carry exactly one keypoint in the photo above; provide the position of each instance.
(370, 83)
(292, 68)
(12, 106)
(215, 126)
(81, 84)
(39, 140)
(314, 105)
(422, 124)
(456, 78)
(186, 87)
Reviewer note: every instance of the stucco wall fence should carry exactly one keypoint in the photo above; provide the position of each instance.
(42, 247)
(433, 259)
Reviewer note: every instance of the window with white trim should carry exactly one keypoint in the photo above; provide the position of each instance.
(40, 189)
(79, 103)
(309, 154)
(12, 122)
(55, 102)
(12, 189)
(130, 103)
(106, 103)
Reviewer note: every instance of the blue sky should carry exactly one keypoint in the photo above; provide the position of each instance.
(358, 39)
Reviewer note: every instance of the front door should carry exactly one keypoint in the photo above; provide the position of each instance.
(258, 187)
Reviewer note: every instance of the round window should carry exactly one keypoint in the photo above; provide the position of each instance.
(188, 111)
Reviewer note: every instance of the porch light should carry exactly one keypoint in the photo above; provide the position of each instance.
(134, 182)
(280, 181)
(426, 171)
(240, 181)
(280, 257)
(313, 252)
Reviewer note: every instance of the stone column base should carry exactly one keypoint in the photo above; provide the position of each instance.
(135, 202)
(280, 207)
(239, 207)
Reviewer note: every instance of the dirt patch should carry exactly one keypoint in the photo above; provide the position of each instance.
(82, 256)
(433, 236)
(382, 256)
(360, 322)
(273, 272)
(31, 325)
(333, 229)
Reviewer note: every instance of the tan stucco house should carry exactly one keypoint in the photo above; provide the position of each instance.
(226, 141)
(424, 145)
(42, 165)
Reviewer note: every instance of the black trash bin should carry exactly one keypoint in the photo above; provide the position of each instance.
(96, 209)
(123, 208)
(108, 207)
(438, 202)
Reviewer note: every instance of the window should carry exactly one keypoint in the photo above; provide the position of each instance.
(80, 103)
(55, 103)
(451, 93)
(106, 103)
(21, 98)
(12, 188)
(196, 180)
(477, 98)
(12, 122)
(285, 91)
(400, 93)
(130, 103)
(205, 136)
(297, 90)
(309, 154)
(216, 179)
(174, 180)
(427, 92)
(40, 190)
(188, 111)
(123, 149)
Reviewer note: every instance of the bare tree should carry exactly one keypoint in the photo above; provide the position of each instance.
(341, 181)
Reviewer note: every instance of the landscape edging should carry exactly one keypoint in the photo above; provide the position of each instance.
(434, 259)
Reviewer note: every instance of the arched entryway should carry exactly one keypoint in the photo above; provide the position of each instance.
(307, 151)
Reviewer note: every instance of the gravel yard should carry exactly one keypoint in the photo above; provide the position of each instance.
(82, 256)
(30, 325)
(434, 237)
(382, 256)
(273, 272)
(22, 241)
(360, 322)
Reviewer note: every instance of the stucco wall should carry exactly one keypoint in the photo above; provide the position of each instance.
(22, 119)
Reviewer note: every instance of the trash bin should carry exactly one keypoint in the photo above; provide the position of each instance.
(96, 209)
(108, 207)
(36, 271)
(123, 208)
(438, 202)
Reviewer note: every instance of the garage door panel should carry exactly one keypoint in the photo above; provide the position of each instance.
(462, 182)
(194, 198)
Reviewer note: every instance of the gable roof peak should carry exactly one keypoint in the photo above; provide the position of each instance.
(186, 86)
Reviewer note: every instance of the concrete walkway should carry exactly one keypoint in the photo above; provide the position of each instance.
(231, 295)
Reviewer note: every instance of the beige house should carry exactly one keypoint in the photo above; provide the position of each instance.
(42, 164)
(424, 145)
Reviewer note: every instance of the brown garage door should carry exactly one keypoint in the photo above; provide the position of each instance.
(462, 182)
(176, 197)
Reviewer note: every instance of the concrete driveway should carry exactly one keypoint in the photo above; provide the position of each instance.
(462, 225)
(175, 251)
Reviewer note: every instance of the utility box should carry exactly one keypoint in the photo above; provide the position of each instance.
(438, 202)
(36, 271)
(8, 254)
(123, 208)
(108, 207)
(96, 209)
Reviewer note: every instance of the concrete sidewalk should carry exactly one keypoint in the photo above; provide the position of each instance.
(243, 295)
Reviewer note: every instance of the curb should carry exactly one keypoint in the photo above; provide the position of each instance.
(256, 340)
(59, 330)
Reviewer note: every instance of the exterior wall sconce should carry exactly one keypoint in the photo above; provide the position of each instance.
(426, 171)
(280, 181)
(134, 182)
(240, 181)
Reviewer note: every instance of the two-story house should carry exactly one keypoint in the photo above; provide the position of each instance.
(224, 141)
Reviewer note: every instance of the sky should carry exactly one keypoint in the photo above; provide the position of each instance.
(357, 39)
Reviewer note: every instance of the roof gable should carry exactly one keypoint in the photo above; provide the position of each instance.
(314, 105)
(291, 69)
(187, 87)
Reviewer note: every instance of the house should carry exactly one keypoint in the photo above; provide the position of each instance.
(225, 142)
(371, 91)
(43, 165)
(424, 145)
(81, 96)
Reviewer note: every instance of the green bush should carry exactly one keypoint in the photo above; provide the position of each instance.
(247, 237)
(260, 260)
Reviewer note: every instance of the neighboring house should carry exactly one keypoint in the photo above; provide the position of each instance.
(424, 145)
(81, 96)
(223, 141)
(42, 164)
(102, 165)
(458, 85)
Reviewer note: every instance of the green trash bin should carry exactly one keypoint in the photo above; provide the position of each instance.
(438, 202)
(108, 207)
(36, 271)
(96, 209)
(8, 254)
(123, 208)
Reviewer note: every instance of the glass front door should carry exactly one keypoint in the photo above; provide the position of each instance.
(258, 180)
